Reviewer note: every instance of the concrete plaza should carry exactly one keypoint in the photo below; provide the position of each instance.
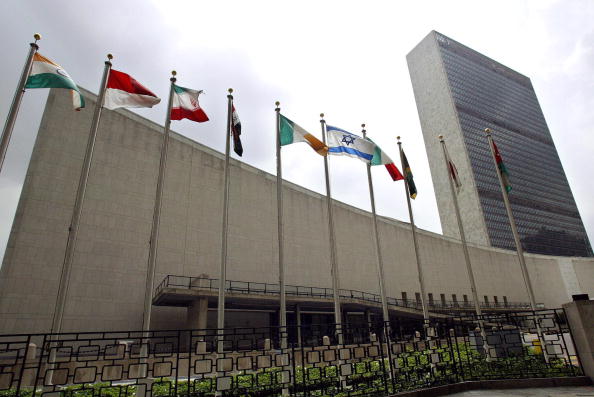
(579, 391)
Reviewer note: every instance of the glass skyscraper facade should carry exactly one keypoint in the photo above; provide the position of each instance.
(488, 94)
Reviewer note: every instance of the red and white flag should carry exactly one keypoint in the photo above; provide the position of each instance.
(453, 172)
(185, 105)
(123, 91)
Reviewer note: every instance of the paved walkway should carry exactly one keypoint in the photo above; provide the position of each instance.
(582, 391)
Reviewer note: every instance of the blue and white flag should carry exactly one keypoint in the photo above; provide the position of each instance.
(344, 143)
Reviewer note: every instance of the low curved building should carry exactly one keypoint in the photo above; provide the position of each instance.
(106, 288)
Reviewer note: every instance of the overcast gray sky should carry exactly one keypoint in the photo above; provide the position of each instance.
(343, 58)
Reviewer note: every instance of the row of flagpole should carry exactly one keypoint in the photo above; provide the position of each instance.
(282, 123)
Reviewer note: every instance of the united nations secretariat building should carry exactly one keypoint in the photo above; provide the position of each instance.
(107, 283)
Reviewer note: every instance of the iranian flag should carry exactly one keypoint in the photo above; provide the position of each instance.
(123, 91)
(48, 74)
(291, 132)
(185, 105)
(381, 158)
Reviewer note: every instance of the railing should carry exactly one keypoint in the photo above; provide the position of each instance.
(372, 360)
(249, 287)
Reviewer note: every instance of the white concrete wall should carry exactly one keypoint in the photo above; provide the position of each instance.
(107, 284)
(438, 116)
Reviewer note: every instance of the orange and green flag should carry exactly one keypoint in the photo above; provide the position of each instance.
(291, 132)
(48, 74)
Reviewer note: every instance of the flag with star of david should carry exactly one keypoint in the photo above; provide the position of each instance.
(344, 143)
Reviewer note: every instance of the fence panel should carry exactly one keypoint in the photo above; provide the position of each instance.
(363, 360)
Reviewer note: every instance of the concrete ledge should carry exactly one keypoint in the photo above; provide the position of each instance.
(497, 384)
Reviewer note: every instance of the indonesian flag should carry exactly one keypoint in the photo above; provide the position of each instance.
(185, 105)
(123, 91)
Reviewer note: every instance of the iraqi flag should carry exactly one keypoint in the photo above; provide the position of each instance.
(123, 91)
(185, 105)
(236, 132)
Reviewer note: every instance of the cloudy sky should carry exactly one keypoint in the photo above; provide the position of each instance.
(344, 58)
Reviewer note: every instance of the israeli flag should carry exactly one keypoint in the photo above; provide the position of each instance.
(344, 143)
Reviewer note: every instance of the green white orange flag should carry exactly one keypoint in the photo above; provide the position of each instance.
(291, 132)
(48, 74)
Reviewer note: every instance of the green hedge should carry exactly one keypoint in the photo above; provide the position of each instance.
(369, 377)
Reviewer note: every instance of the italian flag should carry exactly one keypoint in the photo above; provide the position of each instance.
(123, 91)
(185, 105)
(381, 158)
(48, 74)
(291, 132)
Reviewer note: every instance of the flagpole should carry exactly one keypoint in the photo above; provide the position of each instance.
(378, 253)
(153, 243)
(16, 101)
(473, 289)
(477, 305)
(331, 235)
(415, 242)
(76, 213)
(224, 232)
(281, 259)
(512, 223)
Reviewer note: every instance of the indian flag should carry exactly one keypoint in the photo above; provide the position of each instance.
(291, 132)
(48, 74)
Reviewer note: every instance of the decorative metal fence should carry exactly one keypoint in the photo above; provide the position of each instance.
(319, 360)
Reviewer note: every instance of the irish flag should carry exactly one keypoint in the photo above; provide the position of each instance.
(185, 105)
(291, 132)
(48, 74)
(381, 158)
(123, 91)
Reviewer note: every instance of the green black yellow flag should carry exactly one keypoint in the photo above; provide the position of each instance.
(412, 189)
